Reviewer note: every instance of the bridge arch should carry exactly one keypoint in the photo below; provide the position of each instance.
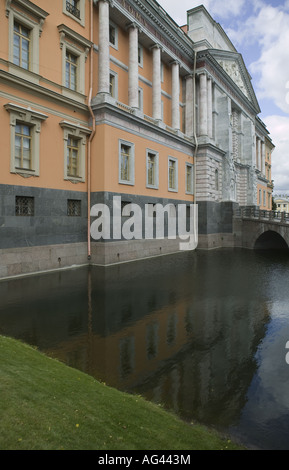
(270, 240)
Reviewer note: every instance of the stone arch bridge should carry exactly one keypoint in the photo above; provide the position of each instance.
(260, 229)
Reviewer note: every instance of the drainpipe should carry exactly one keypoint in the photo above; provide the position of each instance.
(91, 135)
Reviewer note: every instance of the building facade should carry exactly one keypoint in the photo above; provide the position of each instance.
(108, 100)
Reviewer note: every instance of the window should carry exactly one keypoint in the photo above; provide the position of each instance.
(25, 130)
(26, 22)
(75, 9)
(74, 137)
(73, 207)
(72, 6)
(72, 157)
(75, 49)
(126, 163)
(140, 99)
(152, 163)
(71, 71)
(113, 84)
(21, 46)
(140, 56)
(189, 178)
(23, 150)
(24, 206)
(113, 35)
(172, 174)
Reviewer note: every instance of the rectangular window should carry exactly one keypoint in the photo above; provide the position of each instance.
(113, 85)
(126, 163)
(172, 175)
(112, 35)
(24, 206)
(72, 157)
(152, 168)
(72, 6)
(21, 46)
(73, 207)
(189, 179)
(140, 56)
(71, 71)
(23, 147)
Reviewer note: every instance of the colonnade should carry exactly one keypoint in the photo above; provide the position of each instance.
(103, 69)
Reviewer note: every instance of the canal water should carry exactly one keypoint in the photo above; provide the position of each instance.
(202, 333)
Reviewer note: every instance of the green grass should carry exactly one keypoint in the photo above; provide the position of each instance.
(45, 405)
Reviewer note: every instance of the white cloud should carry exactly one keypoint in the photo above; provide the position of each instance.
(279, 130)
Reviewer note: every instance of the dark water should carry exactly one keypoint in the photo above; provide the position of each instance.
(202, 333)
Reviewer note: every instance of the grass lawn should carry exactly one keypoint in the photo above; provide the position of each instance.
(45, 405)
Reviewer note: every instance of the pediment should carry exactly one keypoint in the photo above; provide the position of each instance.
(233, 64)
(232, 68)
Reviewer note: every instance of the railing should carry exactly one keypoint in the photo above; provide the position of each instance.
(254, 213)
(72, 9)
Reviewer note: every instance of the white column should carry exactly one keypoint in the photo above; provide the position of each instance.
(189, 106)
(210, 108)
(175, 95)
(263, 166)
(258, 153)
(203, 105)
(103, 47)
(157, 87)
(133, 67)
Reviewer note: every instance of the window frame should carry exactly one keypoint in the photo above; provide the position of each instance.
(175, 161)
(32, 17)
(33, 119)
(131, 146)
(191, 190)
(81, 8)
(156, 169)
(114, 86)
(115, 43)
(75, 44)
(79, 133)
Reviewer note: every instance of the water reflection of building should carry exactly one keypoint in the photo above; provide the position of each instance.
(176, 120)
(149, 329)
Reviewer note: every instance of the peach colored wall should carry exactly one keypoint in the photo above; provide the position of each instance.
(105, 174)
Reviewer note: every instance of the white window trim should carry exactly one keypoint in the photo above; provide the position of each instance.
(115, 46)
(192, 178)
(115, 85)
(156, 155)
(80, 133)
(130, 182)
(22, 15)
(174, 190)
(78, 46)
(33, 119)
(80, 20)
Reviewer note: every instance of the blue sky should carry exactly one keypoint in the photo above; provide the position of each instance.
(259, 29)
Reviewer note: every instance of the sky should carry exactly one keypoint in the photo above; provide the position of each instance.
(259, 30)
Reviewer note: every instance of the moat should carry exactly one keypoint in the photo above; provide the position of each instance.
(202, 333)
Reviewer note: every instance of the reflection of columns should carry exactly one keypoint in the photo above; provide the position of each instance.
(189, 120)
(210, 107)
(157, 92)
(133, 67)
(103, 47)
(175, 95)
(203, 113)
